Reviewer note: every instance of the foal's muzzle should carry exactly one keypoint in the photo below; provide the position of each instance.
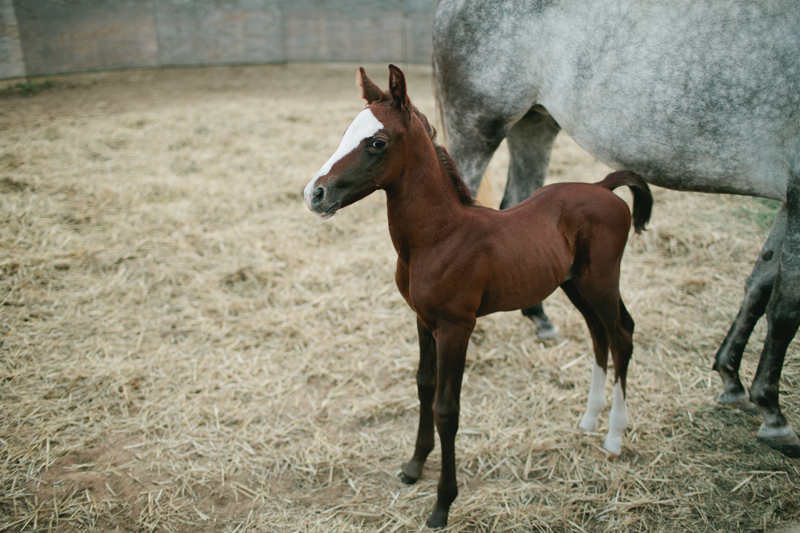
(316, 200)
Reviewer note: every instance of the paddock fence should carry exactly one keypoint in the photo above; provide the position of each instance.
(48, 37)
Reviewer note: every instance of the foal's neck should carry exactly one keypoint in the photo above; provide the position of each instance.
(423, 204)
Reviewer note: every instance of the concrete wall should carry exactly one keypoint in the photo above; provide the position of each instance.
(42, 37)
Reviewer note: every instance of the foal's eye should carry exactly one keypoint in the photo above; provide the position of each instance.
(377, 144)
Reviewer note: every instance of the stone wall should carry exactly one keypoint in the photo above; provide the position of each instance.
(43, 37)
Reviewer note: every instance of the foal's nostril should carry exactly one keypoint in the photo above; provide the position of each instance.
(317, 196)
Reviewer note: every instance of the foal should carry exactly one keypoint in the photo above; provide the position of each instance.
(458, 261)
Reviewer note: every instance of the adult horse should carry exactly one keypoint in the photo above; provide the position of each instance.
(693, 96)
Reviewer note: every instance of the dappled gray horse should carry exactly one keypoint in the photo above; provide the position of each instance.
(693, 96)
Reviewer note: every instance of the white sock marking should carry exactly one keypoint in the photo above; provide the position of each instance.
(364, 125)
(785, 432)
(596, 400)
(617, 421)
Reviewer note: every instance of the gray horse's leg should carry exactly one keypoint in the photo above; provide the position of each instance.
(530, 143)
(471, 142)
(757, 292)
(783, 319)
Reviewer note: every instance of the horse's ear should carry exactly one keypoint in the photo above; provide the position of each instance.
(397, 87)
(369, 91)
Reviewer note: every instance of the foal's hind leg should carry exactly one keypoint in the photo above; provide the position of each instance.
(426, 390)
(609, 310)
(757, 291)
(621, 351)
(596, 400)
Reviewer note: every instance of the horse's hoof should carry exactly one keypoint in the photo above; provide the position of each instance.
(782, 439)
(740, 400)
(438, 518)
(588, 423)
(411, 472)
(406, 479)
(547, 331)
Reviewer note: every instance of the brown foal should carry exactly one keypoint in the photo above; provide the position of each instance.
(457, 261)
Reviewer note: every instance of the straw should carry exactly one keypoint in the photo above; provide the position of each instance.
(185, 347)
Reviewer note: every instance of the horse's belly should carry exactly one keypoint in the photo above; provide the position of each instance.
(687, 163)
(513, 289)
(679, 98)
(496, 302)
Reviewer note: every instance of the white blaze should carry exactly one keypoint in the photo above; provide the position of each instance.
(780, 432)
(365, 125)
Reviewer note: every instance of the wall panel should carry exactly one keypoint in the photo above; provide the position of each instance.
(43, 37)
(346, 30)
(11, 61)
(84, 35)
(214, 32)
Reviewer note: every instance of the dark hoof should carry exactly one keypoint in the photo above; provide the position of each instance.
(782, 439)
(411, 472)
(438, 518)
(406, 479)
(740, 400)
(792, 451)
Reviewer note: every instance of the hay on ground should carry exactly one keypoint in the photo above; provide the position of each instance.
(185, 347)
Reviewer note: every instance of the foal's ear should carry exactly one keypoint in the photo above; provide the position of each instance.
(369, 91)
(397, 87)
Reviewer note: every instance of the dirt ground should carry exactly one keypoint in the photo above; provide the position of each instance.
(184, 347)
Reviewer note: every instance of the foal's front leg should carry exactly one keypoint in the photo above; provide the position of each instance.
(451, 350)
(426, 390)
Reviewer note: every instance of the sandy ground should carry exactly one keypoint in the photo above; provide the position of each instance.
(186, 348)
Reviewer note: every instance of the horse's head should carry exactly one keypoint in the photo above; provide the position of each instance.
(370, 155)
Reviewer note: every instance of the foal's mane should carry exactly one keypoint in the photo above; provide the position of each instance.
(450, 167)
(445, 160)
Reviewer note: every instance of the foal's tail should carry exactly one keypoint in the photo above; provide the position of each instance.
(642, 199)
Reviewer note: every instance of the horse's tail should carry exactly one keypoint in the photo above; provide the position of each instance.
(642, 198)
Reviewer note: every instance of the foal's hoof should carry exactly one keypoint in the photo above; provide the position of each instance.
(406, 479)
(738, 399)
(411, 472)
(613, 447)
(546, 331)
(782, 439)
(438, 518)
